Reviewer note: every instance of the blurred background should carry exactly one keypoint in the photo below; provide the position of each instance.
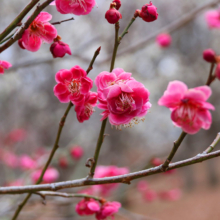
(30, 113)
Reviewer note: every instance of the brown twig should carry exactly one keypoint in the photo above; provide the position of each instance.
(59, 22)
(213, 144)
(115, 179)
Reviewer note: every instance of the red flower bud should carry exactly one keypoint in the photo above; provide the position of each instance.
(209, 55)
(59, 49)
(113, 15)
(118, 4)
(217, 71)
(20, 43)
(149, 12)
(63, 162)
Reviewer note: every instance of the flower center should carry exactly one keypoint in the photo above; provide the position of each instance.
(89, 110)
(73, 86)
(80, 2)
(124, 102)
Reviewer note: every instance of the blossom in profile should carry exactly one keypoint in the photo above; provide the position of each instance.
(59, 49)
(209, 55)
(27, 163)
(125, 101)
(39, 31)
(170, 195)
(213, 18)
(72, 84)
(87, 206)
(108, 209)
(113, 16)
(149, 12)
(76, 7)
(4, 65)
(108, 171)
(50, 176)
(163, 40)
(76, 152)
(190, 111)
(85, 108)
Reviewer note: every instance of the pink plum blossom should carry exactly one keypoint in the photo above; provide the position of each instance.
(190, 111)
(4, 65)
(39, 31)
(171, 195)
(17, 182)
(108, 209)
(17, 135)
(27, 163)
(76, 152)
(50, 176)
(164, 40)
(125, 100)
(10, 159)
(149, 12)
(113, 16)
(213, 18)
(72, 84)
(63, 162)
(142, 186)
(85, 108)
(108, 171)
(76, 7)
(59, 49)
(150, 195)
(87, 207)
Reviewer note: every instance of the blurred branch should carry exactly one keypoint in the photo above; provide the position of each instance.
(59, 22)
(116, 179)
(18, 35)
(213, 144)
(18, 19)
(177, 24)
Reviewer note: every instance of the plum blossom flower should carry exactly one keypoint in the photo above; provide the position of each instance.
(150, 195)
(125, 100)
(39, 31)
(76, 152)
(149, 12)
(50, 175)
(72, 84)
(27, 163)
(190, 111)
(213, 18)
(10, 159)
(76, 7)
(85, 108)
(87, 207)
(163, 40)
(171, 195)
(4, 65)
(59, 49)
(108, 209)
(108, 171)
(17, 135)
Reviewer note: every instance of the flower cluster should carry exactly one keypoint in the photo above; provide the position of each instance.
(74, 85)
(113, 15)
(39, 31)
(125, 100)
(190, 111)
(89, 206)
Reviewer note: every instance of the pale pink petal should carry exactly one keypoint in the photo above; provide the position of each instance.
(43, 17)
(31, 42)
(114, 91)
(5, 64)
(118, 71)
(94, 206)
(125, 88)
(206, 90)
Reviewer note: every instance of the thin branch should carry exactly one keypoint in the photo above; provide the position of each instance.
(59, 22)
(176, 145)
(18, 19)
(211, 78)
(213, 144)
(18, 35)
(115, 179)
(93, 60)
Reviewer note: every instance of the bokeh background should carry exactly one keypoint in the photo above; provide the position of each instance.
(27, 103)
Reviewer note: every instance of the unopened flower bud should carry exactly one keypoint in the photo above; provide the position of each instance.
(164, 40)
(76, 152)
(113, 15)
(63, 162)
(149, 12)
(118, 4)
(20, 44)
(59, 49)
(209, 55)
(137, 13)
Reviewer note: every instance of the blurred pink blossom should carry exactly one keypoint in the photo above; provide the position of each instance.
(150, 195)
(87, 207)
(17, 182)
(72, 84)
(76, 7)
(4, 65)
(170, 195)
(108, 171)
(10, 159)
(76, 152)
(190, 111)
(213, 18)
(39, 31)
(63, 162)
(108, 209)
(142, 186)
(17, 135)
(164, 40)
(209, 55)
(27, 163)
(85, 108)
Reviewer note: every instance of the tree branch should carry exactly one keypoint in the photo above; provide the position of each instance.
(59, 22)
(18, 19)
(213, 144)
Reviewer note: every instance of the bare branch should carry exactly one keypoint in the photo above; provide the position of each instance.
(59, 22)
